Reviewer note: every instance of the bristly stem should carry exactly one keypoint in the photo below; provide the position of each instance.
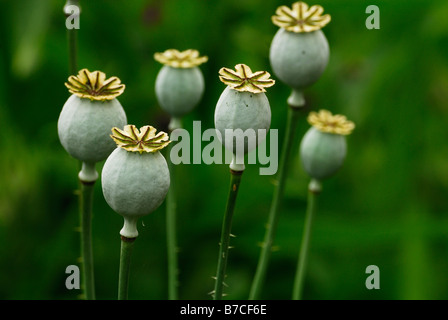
(171, 233)
(86, 200)
(86, 188)
(313, 191)
(125, 267)
(260, 274)
(235, 178)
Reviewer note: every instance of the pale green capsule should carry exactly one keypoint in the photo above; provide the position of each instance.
(84, 127)
(179, 90)
(134, 185)
(299, 59)
(322, 153)
(242, 110)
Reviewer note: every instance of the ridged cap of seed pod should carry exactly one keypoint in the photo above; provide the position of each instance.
(300, 17)
(94, 85)
(180, 59)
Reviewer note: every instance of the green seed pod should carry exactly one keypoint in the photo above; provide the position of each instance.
(322, 153)
(242, 110)
(299, 59)
(180, 83)
(243, 105)
(299, 52)
(89, 114)
(135, 177)
(323, 148)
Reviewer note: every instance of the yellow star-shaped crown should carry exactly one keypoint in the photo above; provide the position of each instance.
(243, 79)
(143, 140)
(180, 59)
(325, 121)
(300, 18)
(94, 85)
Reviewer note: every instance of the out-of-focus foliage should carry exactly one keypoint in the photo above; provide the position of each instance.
(387, 207)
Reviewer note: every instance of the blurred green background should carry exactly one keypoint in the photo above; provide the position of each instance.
(386, 207)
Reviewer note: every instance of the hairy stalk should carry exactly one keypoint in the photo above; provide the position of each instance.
(86, 188)
(313, 191)
(266, 249)
(86, 200)
(171, 234)
(125, 266)
(235, 178)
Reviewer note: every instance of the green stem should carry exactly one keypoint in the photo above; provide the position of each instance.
(313, 191)
(235, 178)
(125, 266)
(72, 41)
(171, 231)
(86, 200)
(72, 49)
(260, 274)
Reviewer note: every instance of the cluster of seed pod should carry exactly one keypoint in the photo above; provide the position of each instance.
(299, 55)
(84, 127)
(93, 127)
